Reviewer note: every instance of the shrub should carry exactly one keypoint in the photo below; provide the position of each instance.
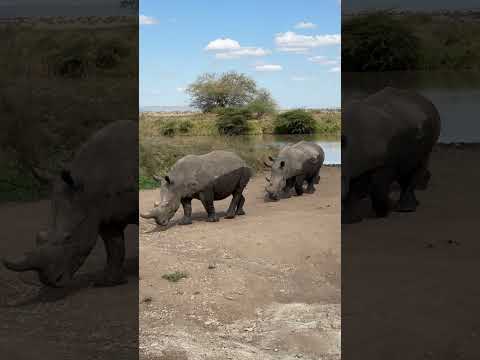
(169, 128)
(262, 104)
(234, 121)
(378, 42)
(185, 126)
(295, 122)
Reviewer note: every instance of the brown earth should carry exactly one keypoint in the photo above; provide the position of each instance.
(261, 286)
(78, 322)
(409, 281)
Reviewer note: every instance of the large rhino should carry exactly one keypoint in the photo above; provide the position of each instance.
(294, 165)
(210, 177)
(96, 195)
(387, 137)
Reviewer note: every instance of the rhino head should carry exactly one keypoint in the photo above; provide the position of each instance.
(278, 180)
(165, 209)
(71, 236)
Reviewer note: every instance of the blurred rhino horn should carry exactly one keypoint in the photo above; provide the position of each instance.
(31, 261)
(149, 215)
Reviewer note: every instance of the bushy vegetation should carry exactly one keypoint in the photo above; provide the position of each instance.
(234, 121)
(295, 122)
(262, 104)
(46, 105)
(378, 42)
(387, 40)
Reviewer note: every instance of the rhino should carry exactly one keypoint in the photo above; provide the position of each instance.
(386, 138)
(208, 178)
(294, 165)
(96, 195)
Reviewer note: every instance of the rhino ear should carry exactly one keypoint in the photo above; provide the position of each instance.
(67, 178)
(271, 159)
(168, 180)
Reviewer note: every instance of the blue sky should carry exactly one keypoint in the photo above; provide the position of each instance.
(291, 48)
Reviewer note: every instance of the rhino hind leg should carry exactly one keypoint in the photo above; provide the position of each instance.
(241, 202)
(113, 238)
(236, 206)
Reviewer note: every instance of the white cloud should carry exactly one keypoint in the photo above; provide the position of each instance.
(268, 68)
(147, 20)
(235, 54)
(290, 40)
(226, 49)
(181, 89)
(335, 69)
(322, 60)
(299, 78)
(294, 50)
(305, 25)
(222, 44)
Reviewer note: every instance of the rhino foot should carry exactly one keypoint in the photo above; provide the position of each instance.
(185, 221)
(230, 216)
(109, 281)
(310, 190)
(407, 203)
(213, 219)
(241, 212)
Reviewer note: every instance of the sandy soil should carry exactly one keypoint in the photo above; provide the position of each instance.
(79, 322)
(261, 286)
(410, 288)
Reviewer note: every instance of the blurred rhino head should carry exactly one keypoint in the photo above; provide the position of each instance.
(165, 209)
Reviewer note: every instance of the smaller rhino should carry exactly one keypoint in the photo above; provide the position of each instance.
(294, 165)
(208, 178)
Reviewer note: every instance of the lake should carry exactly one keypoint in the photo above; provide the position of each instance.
(455, 94)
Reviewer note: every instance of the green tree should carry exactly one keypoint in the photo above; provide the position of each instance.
(295, 122)
(212, 91)
(262, 104)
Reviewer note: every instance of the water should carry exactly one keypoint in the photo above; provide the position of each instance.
(455, 94)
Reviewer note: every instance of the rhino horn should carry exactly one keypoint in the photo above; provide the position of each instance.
(27, 262)
(149, 215)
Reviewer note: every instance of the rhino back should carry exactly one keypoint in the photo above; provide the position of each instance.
(391, 116)
(106, 164)
(193, 173)
(297, 155)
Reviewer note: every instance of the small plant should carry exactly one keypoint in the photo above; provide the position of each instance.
(234, 121)
(295, 122)
(185, 126)
(169, 128)
(175, 276)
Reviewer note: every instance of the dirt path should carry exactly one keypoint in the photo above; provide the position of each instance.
(412, 276)
(261, 286)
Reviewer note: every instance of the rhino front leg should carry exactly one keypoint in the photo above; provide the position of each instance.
(207, 200)
(113, 238)
(299, 185)
(380, 191)
(408, 201)
(187, 212)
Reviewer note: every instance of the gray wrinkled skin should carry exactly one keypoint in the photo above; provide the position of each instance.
(295, 165)
(387, 137)
(208, 178)
(97, 195)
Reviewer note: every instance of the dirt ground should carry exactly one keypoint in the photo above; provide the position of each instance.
(261, 286)
(78, 322)
(410, 288)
